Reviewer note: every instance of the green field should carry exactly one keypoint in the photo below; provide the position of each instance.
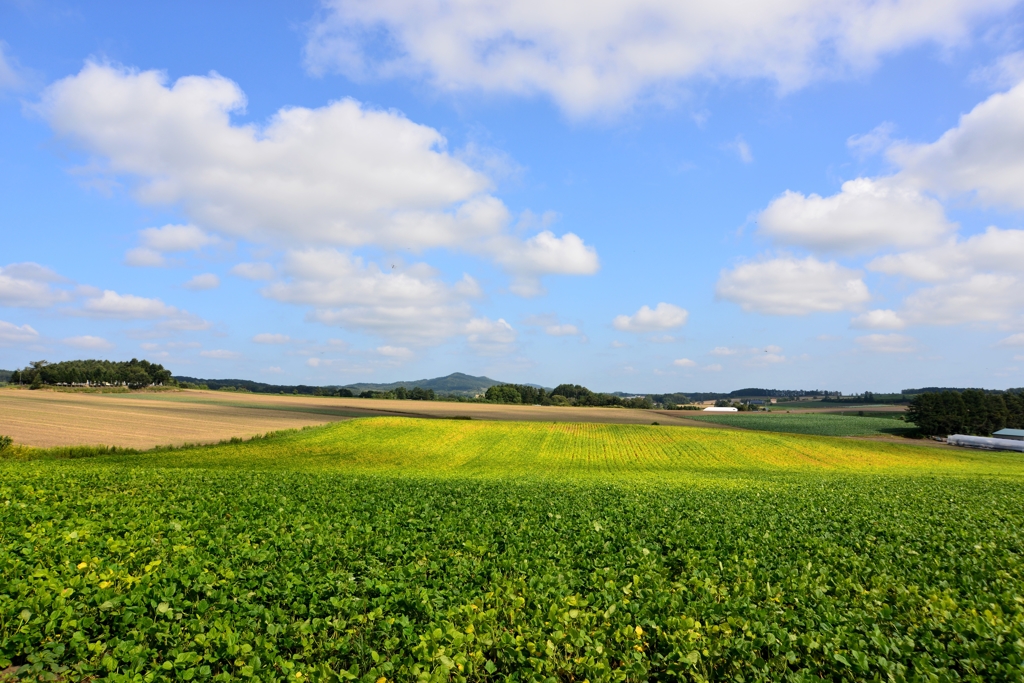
(454, 550)
(821, 424)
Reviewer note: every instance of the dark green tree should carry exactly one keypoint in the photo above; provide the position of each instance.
(503, 393)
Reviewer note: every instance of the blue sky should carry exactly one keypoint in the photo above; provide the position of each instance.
(640, 196)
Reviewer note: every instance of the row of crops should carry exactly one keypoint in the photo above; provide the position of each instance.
(285, 558)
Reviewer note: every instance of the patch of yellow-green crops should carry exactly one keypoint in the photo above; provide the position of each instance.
(571, 451)
(455, 550)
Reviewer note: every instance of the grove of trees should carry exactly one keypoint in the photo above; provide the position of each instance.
(399, 393)
(134, 373)
(972, 411)
(563, 394)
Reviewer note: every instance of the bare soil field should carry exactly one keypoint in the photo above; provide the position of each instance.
(49, 418)
(146, 419)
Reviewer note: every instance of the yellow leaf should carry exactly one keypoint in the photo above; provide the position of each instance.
(83, 565)
(639, 632)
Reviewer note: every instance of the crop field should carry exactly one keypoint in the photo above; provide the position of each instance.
(403, 549)
(821, 424)
(49, 418)
(149, 419)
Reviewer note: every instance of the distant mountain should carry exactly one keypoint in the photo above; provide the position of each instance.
(455, 383)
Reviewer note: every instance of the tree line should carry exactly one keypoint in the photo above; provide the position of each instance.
(134, 373)
(398, 393)
(972, 411)
(562, 395)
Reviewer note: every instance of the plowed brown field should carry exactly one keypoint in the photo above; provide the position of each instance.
(143, 420)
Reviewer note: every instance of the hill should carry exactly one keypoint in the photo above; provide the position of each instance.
(456, 383)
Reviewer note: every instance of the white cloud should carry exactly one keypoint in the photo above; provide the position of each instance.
(169, 239)
(684, 363)
(1007, 71)
(396, 352)
(490, 337)
(203, 282)
(879, 319)
(662, 317)
(714, 367)
(409, 304)
(16, 334)
(144, 257)
(887, 343)
(9, 77)
(89, 342)
(340, 175)
(564, 330)
(543, 254)
(994, 250)
(791, 286)
(268, 338)
(723, 351)
(873, 142)
(30, 285)
(1012, 340)
(983, 156)
(975, 278)
(742, 149)
(176, 238)
(550, 324)
(982, 298)
(594, 57)
(865, 215)
(274, 369)
(254, 271)
(110, 304)
(220, 354)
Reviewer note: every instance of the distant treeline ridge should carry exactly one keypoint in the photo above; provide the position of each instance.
(971, 411)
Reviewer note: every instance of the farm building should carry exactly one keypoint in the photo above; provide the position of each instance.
(713, 409)
(986, 443)
(1015, 434)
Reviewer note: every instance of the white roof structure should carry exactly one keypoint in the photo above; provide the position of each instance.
(713, 409)
(986, 443)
